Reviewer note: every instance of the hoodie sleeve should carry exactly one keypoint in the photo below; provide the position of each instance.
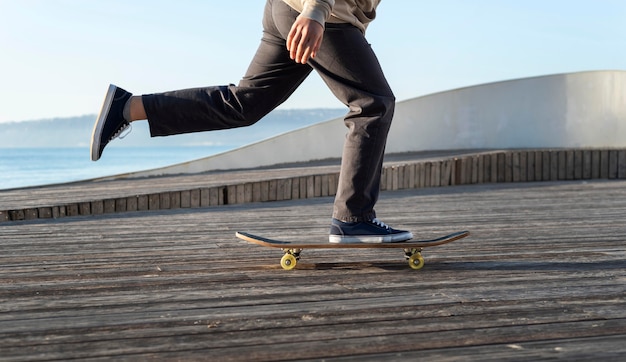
(318, 10)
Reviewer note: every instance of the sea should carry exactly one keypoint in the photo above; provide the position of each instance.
(28, 167)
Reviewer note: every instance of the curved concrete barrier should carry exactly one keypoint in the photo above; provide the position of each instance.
(584, 109)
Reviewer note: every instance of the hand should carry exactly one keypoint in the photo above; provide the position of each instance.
(304, 39)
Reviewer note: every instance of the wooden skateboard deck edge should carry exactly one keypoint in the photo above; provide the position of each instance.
(272, 243)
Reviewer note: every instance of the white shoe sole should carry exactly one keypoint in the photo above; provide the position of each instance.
(367, 239)
(97, 127)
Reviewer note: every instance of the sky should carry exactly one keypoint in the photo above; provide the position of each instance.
(57, 57)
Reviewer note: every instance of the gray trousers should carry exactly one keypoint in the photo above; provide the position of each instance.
(345, 62)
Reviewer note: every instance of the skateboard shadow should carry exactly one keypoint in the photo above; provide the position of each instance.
(438, 266)
(356, 266)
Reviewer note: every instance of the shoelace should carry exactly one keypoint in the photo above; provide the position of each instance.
(119, 133)
(380, 223)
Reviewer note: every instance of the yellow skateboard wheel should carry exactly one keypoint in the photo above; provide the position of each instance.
(416, 261)
(288, 261)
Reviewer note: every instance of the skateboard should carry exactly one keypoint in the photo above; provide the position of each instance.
(412, 248)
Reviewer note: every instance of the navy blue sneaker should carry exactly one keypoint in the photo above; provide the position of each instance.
(110, 122)
(373, 232)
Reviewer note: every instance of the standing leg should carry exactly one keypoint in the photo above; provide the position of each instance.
(349, 66)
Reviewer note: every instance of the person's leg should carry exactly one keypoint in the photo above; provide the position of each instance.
(270, 79)
(348, 65)
(350, 68)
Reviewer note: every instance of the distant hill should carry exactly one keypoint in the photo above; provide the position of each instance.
(76, 131)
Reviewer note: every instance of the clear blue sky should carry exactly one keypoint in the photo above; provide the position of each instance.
(58, 56)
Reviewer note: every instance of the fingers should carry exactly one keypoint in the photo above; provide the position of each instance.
(304, 39)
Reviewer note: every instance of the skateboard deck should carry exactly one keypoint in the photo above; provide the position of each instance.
(412, 248)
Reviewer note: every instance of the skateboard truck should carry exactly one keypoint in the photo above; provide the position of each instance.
(290, 258)
(414, 256)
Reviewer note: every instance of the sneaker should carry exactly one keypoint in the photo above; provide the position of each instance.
(374, 231)
(110, 122)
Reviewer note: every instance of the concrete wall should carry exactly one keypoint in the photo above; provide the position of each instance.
(585, 109)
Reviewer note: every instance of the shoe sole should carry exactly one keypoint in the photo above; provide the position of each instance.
(97, 127)
(397, 238)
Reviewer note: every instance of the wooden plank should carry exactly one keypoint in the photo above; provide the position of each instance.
(486, 166)
(44, 213)
(427, 174)
(265, 191)
(403, 181)
(410, 174)
(303, 187)
(595, 164)
(175, 199)
(108, 206)
(324, 180)
(562, 165)
(586, 164)
(205, 197)
(468, 169)
(153, 202)
(393, 172)
(183, 199)
(164, 201)
(508, 167)
(570, 172)
(435, 174)
(613, 164)
(84, 209)
(240, 191)
(604, 164)
(280, 189)
(447, 172)
(538, 166)
(418, 175)
(516, 167)
(195, 198)
(404, 177)
(579, 166)
(317, 180)
(384, 182)
(458, 172)
(96, 207)
(121, 204)
(494, 167)
(472, 169)
(295, 188)
(555, 166)
(501, 167)
(310, 187)
(273, 190)
(132, 203)
(621, 164)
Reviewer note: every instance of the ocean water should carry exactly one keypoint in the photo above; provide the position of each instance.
(25, 167)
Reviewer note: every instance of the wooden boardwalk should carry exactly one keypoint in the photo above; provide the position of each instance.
(308, 180)
(542, 277)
